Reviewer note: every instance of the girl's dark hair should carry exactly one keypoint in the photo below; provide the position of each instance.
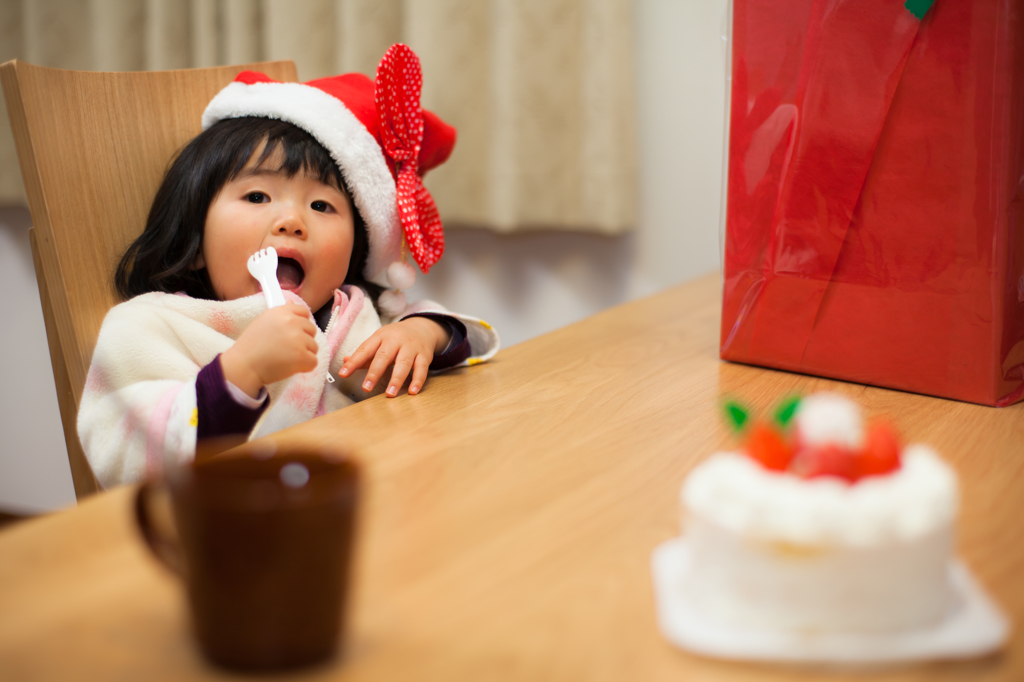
(161, 258)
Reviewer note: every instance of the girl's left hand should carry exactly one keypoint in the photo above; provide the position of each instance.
(409, 344)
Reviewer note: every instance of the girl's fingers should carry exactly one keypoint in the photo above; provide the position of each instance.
(306, 324)
(309, 363)
(381, 360)
(360, 356)
(419, 374)
(403, 364)
(365, 351)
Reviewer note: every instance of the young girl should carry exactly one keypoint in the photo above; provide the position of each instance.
(328, 173)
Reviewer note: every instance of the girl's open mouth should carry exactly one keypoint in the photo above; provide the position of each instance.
(289, 273)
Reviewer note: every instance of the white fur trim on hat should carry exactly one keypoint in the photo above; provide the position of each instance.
(350, 144)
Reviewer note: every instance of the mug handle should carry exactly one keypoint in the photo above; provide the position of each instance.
(165, 549)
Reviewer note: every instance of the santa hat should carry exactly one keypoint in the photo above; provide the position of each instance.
(383, 143)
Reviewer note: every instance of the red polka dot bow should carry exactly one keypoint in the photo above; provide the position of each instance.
(397, 93)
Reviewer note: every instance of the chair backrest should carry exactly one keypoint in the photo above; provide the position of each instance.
(93, 148)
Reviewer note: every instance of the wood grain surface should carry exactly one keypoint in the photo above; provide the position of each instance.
(509, 515)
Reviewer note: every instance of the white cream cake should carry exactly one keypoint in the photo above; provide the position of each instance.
(771, 549)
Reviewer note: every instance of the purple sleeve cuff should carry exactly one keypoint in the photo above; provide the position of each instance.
(458, 347)
(219, 414)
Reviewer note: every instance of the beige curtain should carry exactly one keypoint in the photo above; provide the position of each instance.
(540, 90)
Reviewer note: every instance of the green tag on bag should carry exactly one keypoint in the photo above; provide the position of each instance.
(919, 7)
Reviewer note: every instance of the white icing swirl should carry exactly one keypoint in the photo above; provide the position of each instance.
(733, 491)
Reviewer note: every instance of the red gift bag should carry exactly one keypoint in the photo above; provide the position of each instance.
(875, 217)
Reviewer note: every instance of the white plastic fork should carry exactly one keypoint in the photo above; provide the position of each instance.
(263, 266)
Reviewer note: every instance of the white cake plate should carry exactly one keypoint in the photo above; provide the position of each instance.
(973, 627)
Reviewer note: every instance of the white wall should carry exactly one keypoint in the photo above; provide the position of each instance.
(681, 73)
(34, 473)
(525, 285)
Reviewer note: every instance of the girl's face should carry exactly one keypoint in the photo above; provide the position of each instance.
(309, 223)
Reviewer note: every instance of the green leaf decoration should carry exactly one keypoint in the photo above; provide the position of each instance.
(919, 7)
(736, 415)
(785, 411)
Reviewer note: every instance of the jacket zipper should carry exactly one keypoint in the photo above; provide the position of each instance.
(327, 335)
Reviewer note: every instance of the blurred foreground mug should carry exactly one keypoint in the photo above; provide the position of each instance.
(264, 547)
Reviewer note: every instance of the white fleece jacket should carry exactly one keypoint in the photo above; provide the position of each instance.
(138, 411)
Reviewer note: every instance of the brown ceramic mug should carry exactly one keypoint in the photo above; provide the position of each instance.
(264, 547)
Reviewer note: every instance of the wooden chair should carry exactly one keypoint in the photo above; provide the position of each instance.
(93, 148)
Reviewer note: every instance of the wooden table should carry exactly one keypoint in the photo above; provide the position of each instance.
(510, 514)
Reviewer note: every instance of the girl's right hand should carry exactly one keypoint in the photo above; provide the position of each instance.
(279, 343)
